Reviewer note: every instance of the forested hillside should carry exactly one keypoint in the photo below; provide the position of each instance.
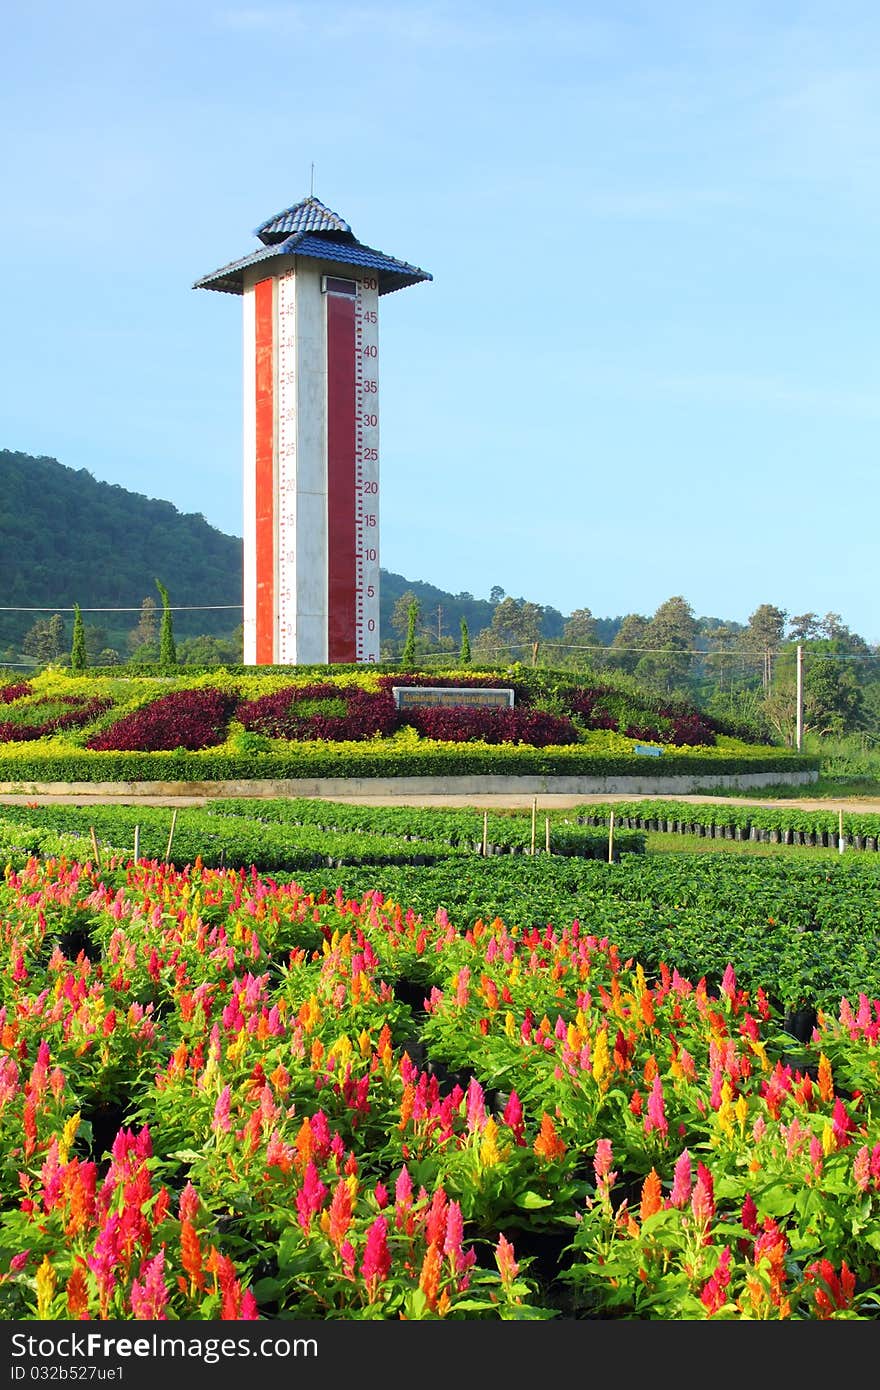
(66, 538)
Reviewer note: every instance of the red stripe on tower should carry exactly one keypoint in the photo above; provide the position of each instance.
(341, 532)
(265, 471)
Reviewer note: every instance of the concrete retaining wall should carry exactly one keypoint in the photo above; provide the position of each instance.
(418, 786)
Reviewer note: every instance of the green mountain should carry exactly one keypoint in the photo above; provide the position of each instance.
(66, 538)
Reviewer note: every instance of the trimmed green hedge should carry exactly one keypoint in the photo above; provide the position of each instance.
(350, 761)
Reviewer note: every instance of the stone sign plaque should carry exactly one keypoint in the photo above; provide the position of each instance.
(474, 697)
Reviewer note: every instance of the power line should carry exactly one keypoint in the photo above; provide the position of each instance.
(182, 608)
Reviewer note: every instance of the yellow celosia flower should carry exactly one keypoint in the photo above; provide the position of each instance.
(45, 1287)
(68, 1134)
(510, 1025)
(489, 1154)
(828, 1141)
(601, 1061)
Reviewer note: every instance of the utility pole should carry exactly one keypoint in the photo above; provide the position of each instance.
(800, 698)
(439, 621)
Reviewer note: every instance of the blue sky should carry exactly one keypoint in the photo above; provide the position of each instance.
(648, 362)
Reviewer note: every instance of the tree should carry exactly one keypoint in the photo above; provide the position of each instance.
(628, 643)
(409, 647)
(146, 634)
(671, 634)
(721, 658)
(44, 641)
(464, 655)
(496, 594)
(514, 631)
(580, 629)
(762, 639)
(400, 612)
(167, 648)
(803, 627)
(78, 644)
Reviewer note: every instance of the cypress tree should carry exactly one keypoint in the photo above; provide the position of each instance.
(78, 645)
(167, 646)
(465, 653)
(409, 649)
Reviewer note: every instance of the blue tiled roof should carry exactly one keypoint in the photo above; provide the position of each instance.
(391, 273)
(310, 215)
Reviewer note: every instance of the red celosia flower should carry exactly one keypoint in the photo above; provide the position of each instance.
(712, 1294)
(833, 1292)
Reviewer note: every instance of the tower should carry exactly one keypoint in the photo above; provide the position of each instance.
(310, 297)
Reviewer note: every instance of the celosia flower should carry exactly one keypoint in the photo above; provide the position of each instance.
(513, 1116)
(149, 1299)
(45, 1287)
(652, 1195)
(655, 1117)
(221, 1119)
(833, 1292)
(377, 1258)
(712, 1294)
(681, 1186)
(507, 1265)
(703, 1197)
(603, 1159)
(548, 1145)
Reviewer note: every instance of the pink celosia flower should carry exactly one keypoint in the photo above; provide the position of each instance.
(221, 1119)
(377, 1258)
(507, 1265)
(655, 1116)
(149, 1299)
(681, 1185)
(603, 1159)
(703, 1196)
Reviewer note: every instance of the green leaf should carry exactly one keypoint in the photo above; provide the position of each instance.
(532, 1201)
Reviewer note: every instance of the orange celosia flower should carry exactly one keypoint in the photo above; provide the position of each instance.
(191, 1255)
(652, 1195)
(826, 1082)
(548, 1145)
(429, 1278)
(77, 1291)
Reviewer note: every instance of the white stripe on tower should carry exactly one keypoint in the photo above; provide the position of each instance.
(249, 498)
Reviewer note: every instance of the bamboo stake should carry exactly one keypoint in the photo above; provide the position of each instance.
(546, 834)
(534, 814)
(840, 834)
(611, 837)
(485, 833)
(171, 834)
(95, 850)
(137, 843)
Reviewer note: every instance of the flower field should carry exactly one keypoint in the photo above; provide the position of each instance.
(231, 1095)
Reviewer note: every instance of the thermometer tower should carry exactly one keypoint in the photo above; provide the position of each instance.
(310, 297)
